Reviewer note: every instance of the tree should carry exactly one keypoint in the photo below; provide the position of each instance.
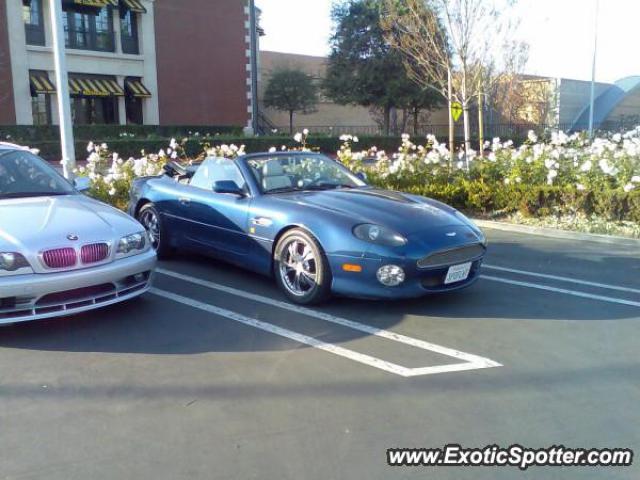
(363, 68)
(448, 45)
(416, 31)
(291, 91)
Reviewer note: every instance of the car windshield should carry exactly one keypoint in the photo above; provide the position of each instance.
(23, 174)
(283, 173)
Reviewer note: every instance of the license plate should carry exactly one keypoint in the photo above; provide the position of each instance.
(458, 273)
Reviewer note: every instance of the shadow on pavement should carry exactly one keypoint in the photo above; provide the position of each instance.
(152, 325)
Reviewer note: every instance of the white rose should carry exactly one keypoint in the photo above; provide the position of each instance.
(628, 187)
(305, 131)
(272, 149)
(635, 179)
(298, 137)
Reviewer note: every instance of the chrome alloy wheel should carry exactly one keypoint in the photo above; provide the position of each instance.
(298, 267)
(149, 220)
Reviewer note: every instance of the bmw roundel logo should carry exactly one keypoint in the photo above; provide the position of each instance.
(73, 237)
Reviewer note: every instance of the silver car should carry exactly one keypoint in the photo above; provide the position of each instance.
(62, 252)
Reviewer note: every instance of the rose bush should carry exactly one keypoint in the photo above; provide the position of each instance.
(558, 175)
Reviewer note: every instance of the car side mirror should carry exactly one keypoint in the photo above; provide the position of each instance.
(82, 184)
(228, 186)
(362, 176)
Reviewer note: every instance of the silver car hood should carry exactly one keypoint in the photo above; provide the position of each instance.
(30, 225)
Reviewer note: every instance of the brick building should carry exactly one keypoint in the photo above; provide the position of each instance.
(131, 62)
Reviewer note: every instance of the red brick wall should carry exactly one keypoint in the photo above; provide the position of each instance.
(201, 57)
(7, 107)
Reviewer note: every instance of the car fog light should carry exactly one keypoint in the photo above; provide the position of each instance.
(390, 275)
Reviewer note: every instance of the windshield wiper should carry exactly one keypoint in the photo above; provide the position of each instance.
(32, 194)
(283, 190)
(329, 186)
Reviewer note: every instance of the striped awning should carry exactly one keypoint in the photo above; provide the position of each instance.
(94, 87)
(135, 88)
(40, 83)
(135, 6)
(96, 3)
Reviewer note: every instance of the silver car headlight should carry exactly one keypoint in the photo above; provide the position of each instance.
(12, 263)
(132, 245)
(379, 235)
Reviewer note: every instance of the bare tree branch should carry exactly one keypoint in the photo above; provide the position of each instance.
(449, 37)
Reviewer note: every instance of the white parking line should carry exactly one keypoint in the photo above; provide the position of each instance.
(283, 332)
(565, 291)
(470, 361)
(561, 279)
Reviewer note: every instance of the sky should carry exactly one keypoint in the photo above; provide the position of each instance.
(560, 34)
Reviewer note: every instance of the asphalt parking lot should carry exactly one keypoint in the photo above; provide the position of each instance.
(212, 375)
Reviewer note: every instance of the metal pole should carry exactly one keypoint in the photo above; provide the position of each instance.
(593, 72)
(451, 126)
(62, 83)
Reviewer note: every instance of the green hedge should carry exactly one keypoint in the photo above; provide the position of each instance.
(40, 133)
(476, 197)
(131, 147)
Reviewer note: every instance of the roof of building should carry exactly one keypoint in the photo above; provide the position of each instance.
(607, 102)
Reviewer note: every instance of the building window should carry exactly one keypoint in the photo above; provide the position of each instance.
(41, 108)
(33, 22)
(89, 28)
(129, 31)
(94, 110)
(134, 110)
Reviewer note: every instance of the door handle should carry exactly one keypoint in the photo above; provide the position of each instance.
(184, 200)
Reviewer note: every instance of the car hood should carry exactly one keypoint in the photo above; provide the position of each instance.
(28, 225)
(406, 214)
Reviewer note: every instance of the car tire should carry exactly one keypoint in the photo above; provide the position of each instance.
(150, 218)
(301, 268)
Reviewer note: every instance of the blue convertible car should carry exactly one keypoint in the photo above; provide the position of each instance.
(313, 224)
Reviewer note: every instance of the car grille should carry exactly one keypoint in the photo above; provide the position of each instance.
(60, 258)
(94, 253)
(66, 301)
(452, 257)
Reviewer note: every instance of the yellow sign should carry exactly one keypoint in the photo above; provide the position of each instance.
(456, 110)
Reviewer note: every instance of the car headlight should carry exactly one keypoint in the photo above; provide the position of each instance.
(379, 235)
(132, 244)
(11, 263)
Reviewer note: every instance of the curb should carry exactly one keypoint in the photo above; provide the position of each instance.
(556, 233)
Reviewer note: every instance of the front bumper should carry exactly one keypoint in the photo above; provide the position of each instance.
(39, 296)
(418, 282)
